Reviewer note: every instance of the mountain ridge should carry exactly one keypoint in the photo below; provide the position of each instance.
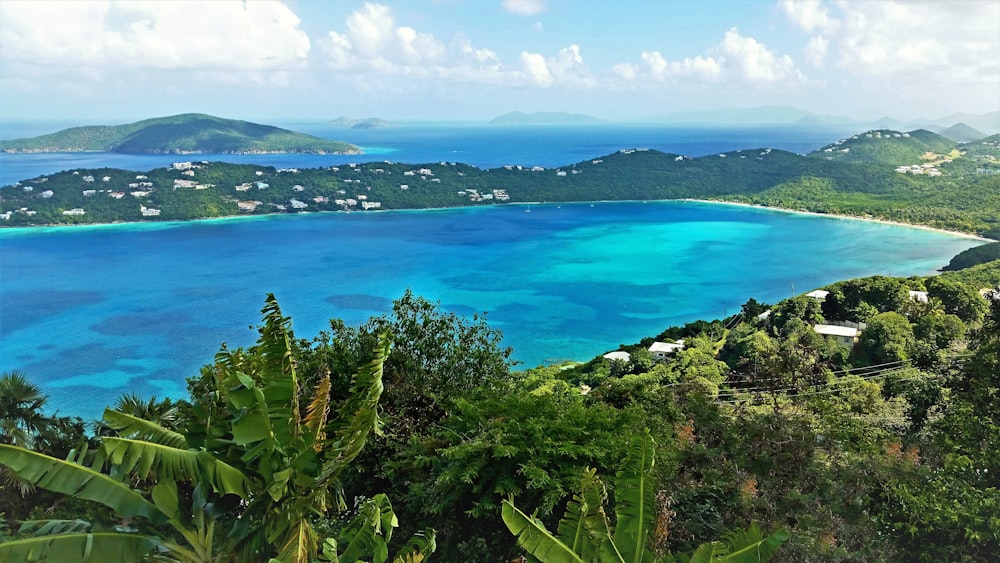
(188, 133)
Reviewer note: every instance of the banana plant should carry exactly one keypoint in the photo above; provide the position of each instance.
(585, 533)
(248, 450)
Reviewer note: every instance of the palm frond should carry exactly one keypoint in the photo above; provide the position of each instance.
(318, 411)
(368, 534)
(301, 546)
(358, 415)
(533, 537)
(130, 426)
(279, 381)
(145, 459)
(635, 507)
(97, 547)
(69, 478)
(421, 545)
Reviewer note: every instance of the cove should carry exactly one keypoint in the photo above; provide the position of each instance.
(90, 313)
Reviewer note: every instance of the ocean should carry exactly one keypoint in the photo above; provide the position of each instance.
(91, 312)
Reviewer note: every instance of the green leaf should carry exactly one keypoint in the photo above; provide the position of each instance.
(140, 429)
(358, 415)
(422, 544)
(585, 525)
(367, 535)
(635, 508)
(534, 538)
(301, 546)
(165, 497)
(252, 427)
(101, 547)
(61, 476)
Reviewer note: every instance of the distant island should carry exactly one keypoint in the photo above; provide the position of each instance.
(916, 177)
(189, 133)
(367, 123)
(545, 118)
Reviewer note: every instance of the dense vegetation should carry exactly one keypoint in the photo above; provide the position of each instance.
(965, 197)
(975, 255)
(180, 134)
(880, 450)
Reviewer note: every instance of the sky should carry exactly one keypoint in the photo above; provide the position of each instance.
(115, 61)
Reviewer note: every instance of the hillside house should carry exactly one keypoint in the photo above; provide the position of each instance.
(618, 356)
(843, 335)
(663, 350)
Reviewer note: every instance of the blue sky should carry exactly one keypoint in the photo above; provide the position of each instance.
(112, 61)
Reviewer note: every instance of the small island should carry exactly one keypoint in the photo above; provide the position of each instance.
(189, 133)
(367, 123)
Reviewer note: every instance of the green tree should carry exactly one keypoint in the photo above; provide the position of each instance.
(585, 532)
(958, 299)
(21, 410)
(254, 456)
(888, 338)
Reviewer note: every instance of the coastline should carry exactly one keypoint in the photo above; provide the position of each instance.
(843, 217)
(170, 224)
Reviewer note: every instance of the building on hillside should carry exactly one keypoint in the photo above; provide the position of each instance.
(618, 356)
(843, 335)
(918, 296)
(663, 350)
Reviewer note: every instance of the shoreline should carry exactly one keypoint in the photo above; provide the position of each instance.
(841, 216)
(167, 224)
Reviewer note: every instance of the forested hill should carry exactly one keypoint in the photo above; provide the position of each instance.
(960, 191)
(888, 147)
(181, 134)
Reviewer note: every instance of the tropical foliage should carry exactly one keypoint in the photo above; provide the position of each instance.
(881, 450)
(259, 460)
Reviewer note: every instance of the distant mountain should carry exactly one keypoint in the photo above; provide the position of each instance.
(962, 133)
(545, 118)
(368, 123)
(886, 146)
(180, 134)
(755, 115)
(988, 122)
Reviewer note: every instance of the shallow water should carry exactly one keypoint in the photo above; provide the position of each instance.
(92, 312)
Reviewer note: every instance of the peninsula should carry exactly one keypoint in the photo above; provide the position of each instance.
(189, 133)
(916, 177)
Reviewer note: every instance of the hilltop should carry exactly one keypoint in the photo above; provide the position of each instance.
(545, 118)
(188, 133)
(886, 146)
(962, 133)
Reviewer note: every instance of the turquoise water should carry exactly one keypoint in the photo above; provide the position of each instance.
(95, 311)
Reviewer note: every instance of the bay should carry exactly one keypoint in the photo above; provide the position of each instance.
(91, 312)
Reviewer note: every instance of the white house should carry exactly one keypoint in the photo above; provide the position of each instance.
(918, 296)
(844, 335)
(662, 350)
(619, 356)
(818, 294)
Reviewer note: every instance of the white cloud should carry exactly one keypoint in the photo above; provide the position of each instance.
(816, 49)
(372, 41)
(536, 69)
(179, 35)
(524, 7)
(752, 61)
(912, 43)
(735, 59)
(809, 15)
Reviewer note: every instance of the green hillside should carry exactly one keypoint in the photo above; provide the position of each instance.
(962, 133)
(185, 133)
(887, 147)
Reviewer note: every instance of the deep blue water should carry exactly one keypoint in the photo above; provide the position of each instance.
(91, 312)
